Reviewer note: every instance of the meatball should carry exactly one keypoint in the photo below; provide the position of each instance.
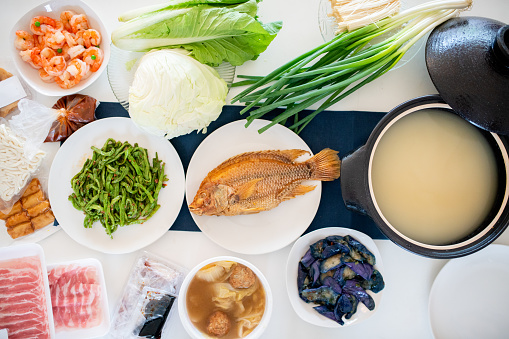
(242, 277)
(219, 324)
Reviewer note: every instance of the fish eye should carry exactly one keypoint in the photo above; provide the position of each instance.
(203, 195)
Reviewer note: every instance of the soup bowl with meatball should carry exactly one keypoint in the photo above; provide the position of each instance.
(225, 297)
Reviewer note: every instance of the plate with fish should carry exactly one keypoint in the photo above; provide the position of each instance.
(258, 194)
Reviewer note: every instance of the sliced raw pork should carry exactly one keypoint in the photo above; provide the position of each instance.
(75, 296)
(23, 307)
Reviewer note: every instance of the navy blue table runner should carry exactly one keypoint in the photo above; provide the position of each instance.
(343, 131)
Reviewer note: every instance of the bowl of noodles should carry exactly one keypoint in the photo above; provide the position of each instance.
(57, 54)
(225, 297)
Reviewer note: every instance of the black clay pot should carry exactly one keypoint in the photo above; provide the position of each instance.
(357, 188)
(468, 61)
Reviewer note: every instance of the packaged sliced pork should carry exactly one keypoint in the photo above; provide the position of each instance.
(25, 301)
(79, 299)
(148, 299)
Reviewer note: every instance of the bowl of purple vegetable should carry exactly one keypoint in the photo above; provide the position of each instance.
(334, 277)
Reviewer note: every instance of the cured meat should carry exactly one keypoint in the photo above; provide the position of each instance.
(75, 296)
(23, 307)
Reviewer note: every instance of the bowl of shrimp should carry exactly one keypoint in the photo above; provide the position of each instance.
(60, 47)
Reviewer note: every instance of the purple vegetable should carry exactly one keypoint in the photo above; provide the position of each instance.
(314, 271)
(354, 288)
(320, 295)
(334, 249)
(325, 311)
(332, 283)
(301, 277)
(307, 259)
(362, 269)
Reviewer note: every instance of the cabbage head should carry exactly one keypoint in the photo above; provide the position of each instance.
(172, 94)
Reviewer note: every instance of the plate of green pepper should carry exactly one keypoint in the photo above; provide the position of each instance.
(115, 188)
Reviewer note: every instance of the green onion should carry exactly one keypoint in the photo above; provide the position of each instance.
(337, 68)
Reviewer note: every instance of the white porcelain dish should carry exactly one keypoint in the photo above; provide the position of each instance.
(469, 297)
(103, 327)
(305, 310)
(69, 161)
(184, 317)
(53, 9)
(29, 250)
(263, 232)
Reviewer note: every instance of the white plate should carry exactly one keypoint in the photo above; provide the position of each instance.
(123, 65)
(263, 232)
(69, 161)
(53, 9)
(469, 297)
(305, 310)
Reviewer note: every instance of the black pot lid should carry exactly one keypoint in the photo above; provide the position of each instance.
(468, 61)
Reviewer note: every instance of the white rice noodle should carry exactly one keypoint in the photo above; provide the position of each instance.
(15, 167)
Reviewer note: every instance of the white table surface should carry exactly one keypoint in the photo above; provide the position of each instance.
(403, 312)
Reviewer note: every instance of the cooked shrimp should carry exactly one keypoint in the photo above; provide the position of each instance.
(39, 24)
(93, 56)
(72, 74)
(75, 51)
(54, 39)
(59, 26)
(65, 18)
(45, 76)
(79, 22)
(39, 41)
(46, 54)
(32, 56)
(70, 39)
(91, 37)
(64, 51)
(24, 40)
(55, 66)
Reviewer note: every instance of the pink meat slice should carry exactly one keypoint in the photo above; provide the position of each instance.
(23, 308)
(75, 296)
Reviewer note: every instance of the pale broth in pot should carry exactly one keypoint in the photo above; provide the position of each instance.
(434, 177)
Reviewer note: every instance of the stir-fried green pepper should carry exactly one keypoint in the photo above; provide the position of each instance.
(118, 186)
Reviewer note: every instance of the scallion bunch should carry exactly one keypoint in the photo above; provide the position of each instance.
(339, 67)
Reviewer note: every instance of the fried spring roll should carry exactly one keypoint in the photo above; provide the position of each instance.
(43, 219)
(32, 200)
(17, 219)
(20, 230)
(15, 210)
(38, 209)
(32, 187)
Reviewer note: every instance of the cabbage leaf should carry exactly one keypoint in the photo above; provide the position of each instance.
(211, 33)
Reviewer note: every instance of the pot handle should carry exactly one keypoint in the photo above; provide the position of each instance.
(501, 45)
(354, 183)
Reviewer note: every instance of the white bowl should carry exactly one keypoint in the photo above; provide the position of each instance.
(53, 9)
(184, 317)
(305, 310)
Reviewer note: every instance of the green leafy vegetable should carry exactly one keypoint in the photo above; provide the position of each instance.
(118, 186)
(213, 32)
(339, 67)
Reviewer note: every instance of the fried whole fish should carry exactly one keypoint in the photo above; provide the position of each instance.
(252, 182)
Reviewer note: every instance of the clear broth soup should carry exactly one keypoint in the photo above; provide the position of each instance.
(210, 290)
(434, 177)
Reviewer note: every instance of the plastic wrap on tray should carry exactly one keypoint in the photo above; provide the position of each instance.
(149, 298)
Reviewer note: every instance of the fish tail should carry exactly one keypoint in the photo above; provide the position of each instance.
(325, 166)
